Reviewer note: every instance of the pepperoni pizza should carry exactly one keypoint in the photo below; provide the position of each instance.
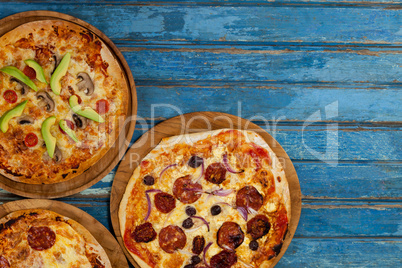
(42, 238)
(62, 94)
(214, 199)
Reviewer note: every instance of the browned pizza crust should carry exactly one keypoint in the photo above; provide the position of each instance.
(22, 220)
(114, 71)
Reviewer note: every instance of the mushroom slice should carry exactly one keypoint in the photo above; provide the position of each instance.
(25, 120)
(56, 63)
(85, 84)
(80, 121)
(46, 100)
(22, 86)
(57, 156)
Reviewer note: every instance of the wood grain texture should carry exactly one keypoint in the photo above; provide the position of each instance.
(207, 23)
(194, 123)
(108, 161)
(101, 234)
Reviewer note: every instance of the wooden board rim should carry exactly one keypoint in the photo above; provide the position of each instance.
(101, 234)
(215, 120)
(113, 155)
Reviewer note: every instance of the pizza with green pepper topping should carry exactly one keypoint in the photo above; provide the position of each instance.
(63, 98)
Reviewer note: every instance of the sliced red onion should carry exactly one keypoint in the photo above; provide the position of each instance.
(251, 211)
(192, 229)
(243, 212)
(149, 201)
(201, 218)
(185, 252)
(222, 192)
(224, 203)
(205, 252)
(202, 172)
(166, 168)
(228, 167)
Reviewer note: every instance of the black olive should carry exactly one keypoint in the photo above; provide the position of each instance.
(253, 245)
(188, 223)
(195, 260)
(149, 180)
(215, 210)
(190, 211)
(195, 161)
(189, 266)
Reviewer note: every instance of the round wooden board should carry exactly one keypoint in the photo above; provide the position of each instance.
(101, 234)
(193, 123)
(104, 165)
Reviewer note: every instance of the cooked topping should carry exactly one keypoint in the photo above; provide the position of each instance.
(60, 71)
(277, 248)
(216, 210)
(144, 233)
(198, 246)
(36, 70)
(195, 259)
(10, 96)
(80, 121)
(7, 116)
(163, 171)
(30, 72)
(67, 127)
(56, 62)
(4, 262)
(230, 236)
(69, 124)
(202, 219)
(249, 198)
(215, 173)
(188, 223)
(87, 112)
(58, 156)
(102, 106)
(224, 259)
(47, 136)
(149, 180)
(172, 238)
(253, 245)
(41, 238)
(31, 140)
(195, 161)
(205, 253)
(258, 226)
(165, 202)
(46, 100)
(243, 212)
(25, 120)
(189, 266)
(85, 84)
(21, 86)
(186, 191)
(149, 201)
(191, 211)
(228, 167)
(15, 72)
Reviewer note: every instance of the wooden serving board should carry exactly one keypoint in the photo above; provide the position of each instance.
(193, 123)
(101, 234)
(102, 167)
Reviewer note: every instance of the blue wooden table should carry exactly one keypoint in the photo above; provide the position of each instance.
(323, 77)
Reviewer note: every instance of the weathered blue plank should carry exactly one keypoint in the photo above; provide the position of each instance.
(245, 63)
(272, 101)
(225, 23)
(342, 253)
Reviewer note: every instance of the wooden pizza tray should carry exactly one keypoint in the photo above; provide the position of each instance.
(101, 234)
(193, 123)
(104, 165)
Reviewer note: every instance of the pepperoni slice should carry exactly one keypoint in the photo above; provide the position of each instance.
(215, 173)
(102, 106)
(198, 244)
(31, 139)
(249, 197)
(10, 96)
(41, 238)
(30, 72)
(230, 236)
(79, 99)
(165, 202)
(172, 238)
(186, 191)
(4, 262)
(258, 226)
(70, 124)
(224, 259)
(144, 233)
